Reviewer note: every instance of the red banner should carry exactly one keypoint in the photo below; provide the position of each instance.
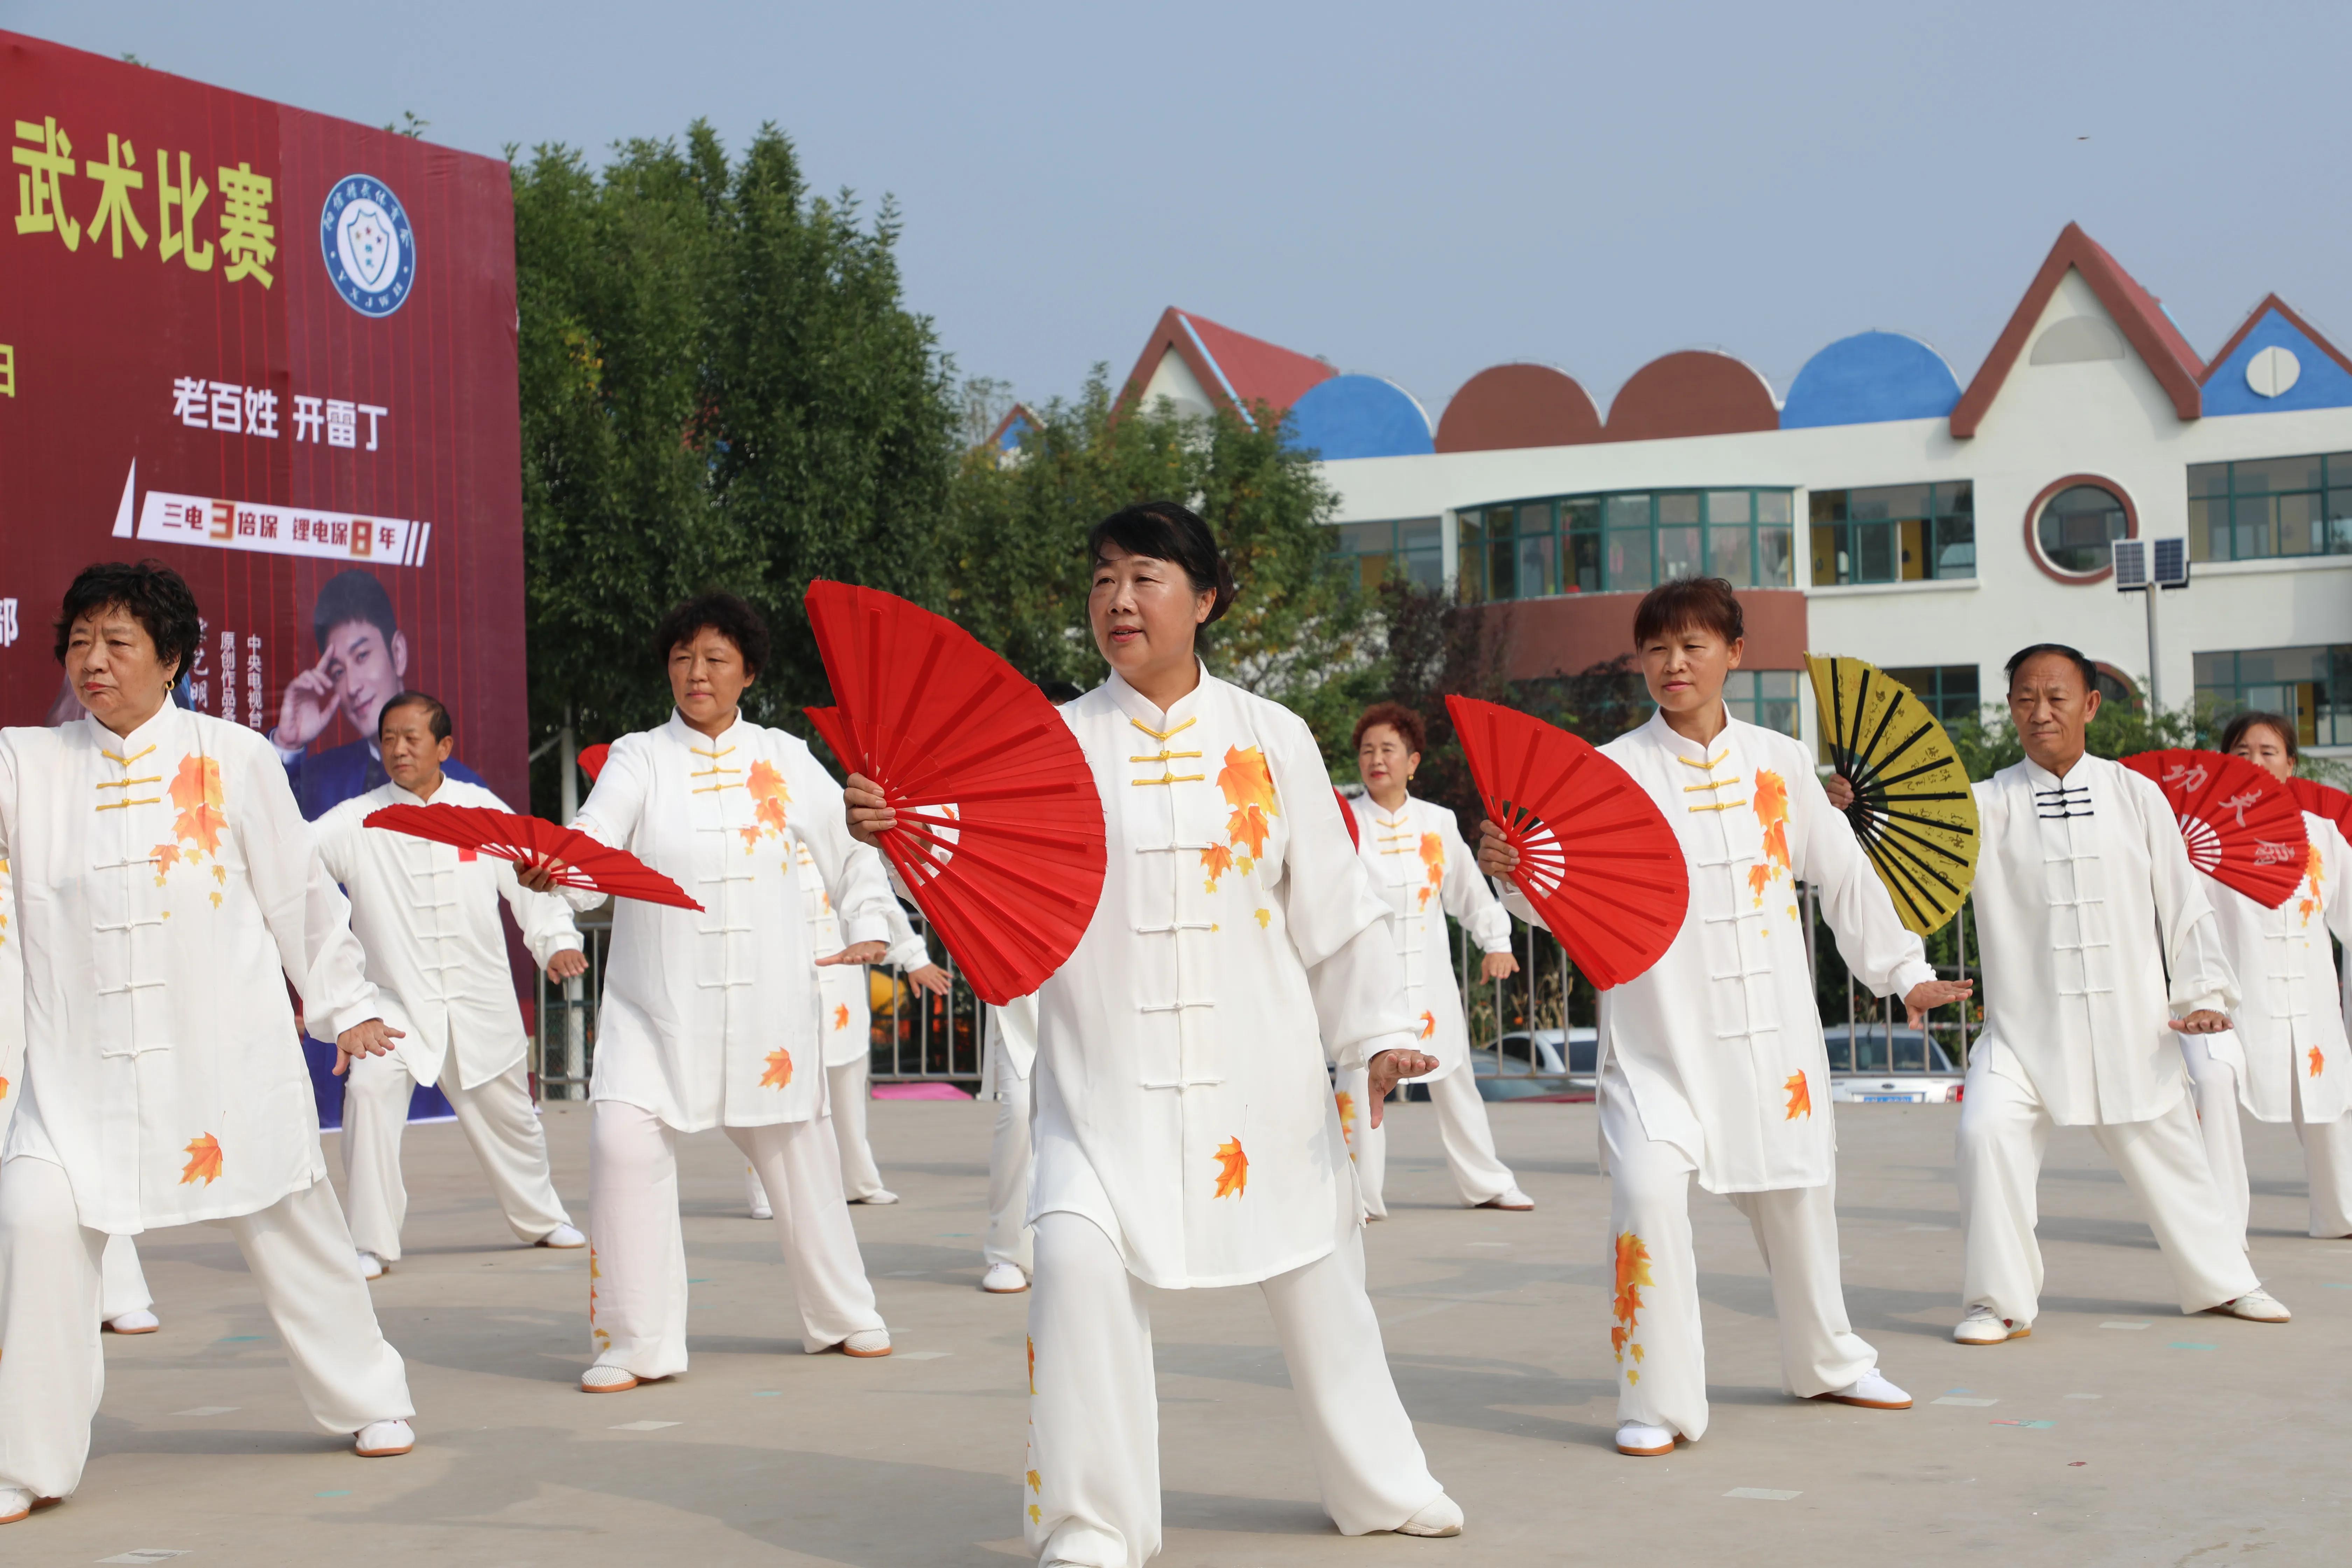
(276, 351)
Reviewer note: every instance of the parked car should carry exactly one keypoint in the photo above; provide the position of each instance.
(1874, 1063)
(1528, 1063)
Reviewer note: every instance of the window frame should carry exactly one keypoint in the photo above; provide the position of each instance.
(2050, 492)
(1578, 527)
(2331, 707)
(1397, 556)
(1846, 536)
(2335, 530)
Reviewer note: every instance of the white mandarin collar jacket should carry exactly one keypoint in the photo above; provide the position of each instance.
(2289, 1025)
(167, 887)
(1422, 869)
(1721, 1041)
(428, 915)
(2085, 903)
(710, 1017)
(1182, 1101)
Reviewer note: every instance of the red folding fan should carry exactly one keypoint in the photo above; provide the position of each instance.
(1596, 857)
(1347, 816)
(1000, 832)
(591, 759)
(529, 840)
(2324, 801)
(2242, 827)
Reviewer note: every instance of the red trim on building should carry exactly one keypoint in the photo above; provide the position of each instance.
(2145, 326)
(2034, 516)
(2254, 319)
(1258, 371)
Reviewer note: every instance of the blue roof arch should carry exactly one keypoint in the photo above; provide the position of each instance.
(1869, 378)
(1358, 416)
(2322, 384)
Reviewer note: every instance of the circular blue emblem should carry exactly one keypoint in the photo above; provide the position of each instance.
(370, 250)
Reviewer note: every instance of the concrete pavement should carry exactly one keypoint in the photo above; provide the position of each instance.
(2120, 1433)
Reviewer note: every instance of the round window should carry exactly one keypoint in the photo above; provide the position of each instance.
(2077, 527)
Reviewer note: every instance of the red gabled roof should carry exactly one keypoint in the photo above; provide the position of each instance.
(2145, 326)
(2254, 319)
(1231, 366)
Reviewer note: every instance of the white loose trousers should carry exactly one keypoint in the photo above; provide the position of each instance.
(123, 1284)
(1480, 1174)
(636, 1288)
(499, 1121)
(2326, 1146)
(1009, 1238)
(54, 1373)
(2004, 1128)
(850, 1085)
(1660, 1352)
(1093, 1470)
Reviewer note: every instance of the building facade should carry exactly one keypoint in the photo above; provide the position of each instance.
(1879, 509)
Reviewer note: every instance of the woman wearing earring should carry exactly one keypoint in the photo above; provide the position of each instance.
(1419, 862)
(1185, 1135)
(709, 1016)
(2285, 1058)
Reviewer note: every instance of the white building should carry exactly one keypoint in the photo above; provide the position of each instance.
(1879, 510)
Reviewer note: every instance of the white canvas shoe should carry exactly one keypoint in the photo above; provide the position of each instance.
(607, 1380)
(563, 1239)
(1643, 1441)
(867, 1343)
(1871, 1392)
(141, 1322)
(1983, 1326)
(372, 1266)
(1442, 1516)
(1512, 1198)
(2256, 1306)
(1004, 1280)
(878, 1195)
(15, 1503)
(384, 1439)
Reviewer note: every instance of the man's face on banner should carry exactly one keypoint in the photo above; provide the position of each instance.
(366, 668)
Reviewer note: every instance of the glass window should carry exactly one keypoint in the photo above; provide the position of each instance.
(1377, 550)
(1421, 549)
(2077, 527)
(1765, 697)
(2270, 507)
(2311, 686)
(1627, 542)
(1894, 533)
(1949, 690)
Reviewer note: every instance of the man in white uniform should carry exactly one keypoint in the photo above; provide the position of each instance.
(2091, 922)
(1712, 1063)
(1415, 851)
(1010, 1245)
(428, 915)
(2287, 1059)
(167, 888)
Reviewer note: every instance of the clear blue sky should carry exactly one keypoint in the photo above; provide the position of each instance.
(1418, 192)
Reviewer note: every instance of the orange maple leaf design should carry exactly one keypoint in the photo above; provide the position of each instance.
(196, 791)
(1032, 1362)
(1036, 1481)
(166, 856)
(4, 1089)
(1346, 1102)
(1245, 781)
(1801, 1097)
(1433, 855)
(750, 837)
(1428, 1025)
(767, 787)
(841, 1016)
(780, 1070)
(203, 1154)
(1247, 827)
(2318, 1062)
(1633, 1274)
(1771, 802)
(1216, 860)
(1233, 1175)
(1265, 918)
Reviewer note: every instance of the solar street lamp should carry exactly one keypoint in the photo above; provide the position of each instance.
(2143, 566)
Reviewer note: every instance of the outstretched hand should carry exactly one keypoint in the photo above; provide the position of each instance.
(870, 812)
(1495, 856)
(930, 978)
(857, 953)
(1391, 1068)
(2204, 1021)
(1496, 965)
(372, 1039)
(1932, 993)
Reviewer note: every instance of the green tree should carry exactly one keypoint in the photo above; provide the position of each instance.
(1300, 632)
(721, 387)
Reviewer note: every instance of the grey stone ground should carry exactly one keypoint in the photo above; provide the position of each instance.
(2185, 1440)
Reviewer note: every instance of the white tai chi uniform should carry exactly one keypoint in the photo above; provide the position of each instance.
(709, 1019)
(2086, 902)
(428, 915)
(123, 1284)
(2286, 1059)
(167, 887)
(1713, 1066)
(1420, 865)
(1008, 1063)
(848, 1001)
(1184, 1130)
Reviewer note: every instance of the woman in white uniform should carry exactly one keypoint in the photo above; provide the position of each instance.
(1009, 1060)
(2285, 1058)
(1185, 1134)
(709, 1016)
(1415, 851)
